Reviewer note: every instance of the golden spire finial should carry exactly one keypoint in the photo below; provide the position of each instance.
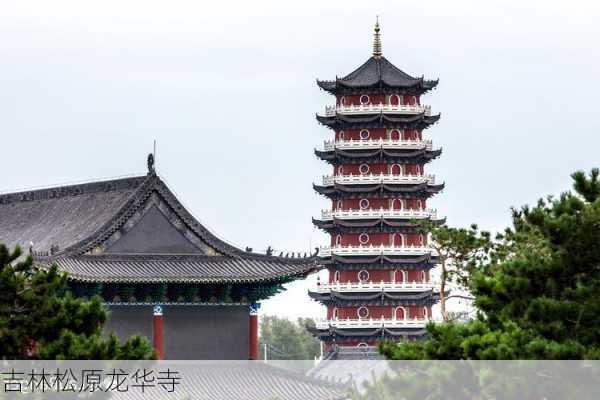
(377, 42)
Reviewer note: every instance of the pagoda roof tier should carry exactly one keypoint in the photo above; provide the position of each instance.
(131, 230)
(378, 74)
(383, 190)
(367, 333)
(339, 336)
(381, 120)
(381, 298)
(367, 226)
(379, 260)
(359, 156)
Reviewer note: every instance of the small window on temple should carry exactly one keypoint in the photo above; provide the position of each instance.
(363, 312)
(363, 238)
(341, 135)
(394, 100)
(340, 170)
(362, 345)
(339, 205)
(413, 100)
(364, 99)
(364, 204)
(364, 134)
(395, 134)
(363, 276)
(335, 313)
(338, 240)
(336, 276)
(364, 169)
(342, 101)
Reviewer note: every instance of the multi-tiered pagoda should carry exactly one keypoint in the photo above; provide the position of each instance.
(379, 260)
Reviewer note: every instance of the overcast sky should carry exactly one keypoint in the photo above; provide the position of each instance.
(228, 91)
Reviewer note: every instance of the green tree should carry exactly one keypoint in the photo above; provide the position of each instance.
(538, 295)
(288, 340)
(40, 319)
(460, 252)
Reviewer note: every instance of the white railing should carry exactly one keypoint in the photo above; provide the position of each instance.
(378, 108)
(375, 287)
(371, 323)
(377, 143)
(329, 180)
(380, 213)
(327, 251)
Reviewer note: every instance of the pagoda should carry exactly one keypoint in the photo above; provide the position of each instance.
(379, 261)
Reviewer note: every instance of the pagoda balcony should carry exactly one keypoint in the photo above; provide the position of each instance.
(405, 109)
(362, 287)
(371, 323)
(328, 215)
(328, 251)
(330, 145)
(369, 179)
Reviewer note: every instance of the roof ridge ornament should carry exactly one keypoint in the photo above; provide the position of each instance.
(377, 53)
(151, 170)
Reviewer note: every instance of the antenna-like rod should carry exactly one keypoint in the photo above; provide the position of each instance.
(377, 53)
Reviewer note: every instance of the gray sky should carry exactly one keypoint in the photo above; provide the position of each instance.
(228, 91)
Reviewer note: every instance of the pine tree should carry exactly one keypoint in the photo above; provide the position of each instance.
(539, 295)
(40, 319)
(460, 252)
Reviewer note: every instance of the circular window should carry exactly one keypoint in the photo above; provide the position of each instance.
(363, 238)
(364, 134)
(363, 312)
(364, 169)
(364, 204)
(364, 99)
(394, 100)
(363, 276)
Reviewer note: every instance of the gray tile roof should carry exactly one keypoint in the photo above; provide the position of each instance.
(173, 268)
(243, 380)
(376, 72)
(70, 226)
(62, 216)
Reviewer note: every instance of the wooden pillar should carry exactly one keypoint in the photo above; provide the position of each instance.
(157, 332)
(253, 339)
